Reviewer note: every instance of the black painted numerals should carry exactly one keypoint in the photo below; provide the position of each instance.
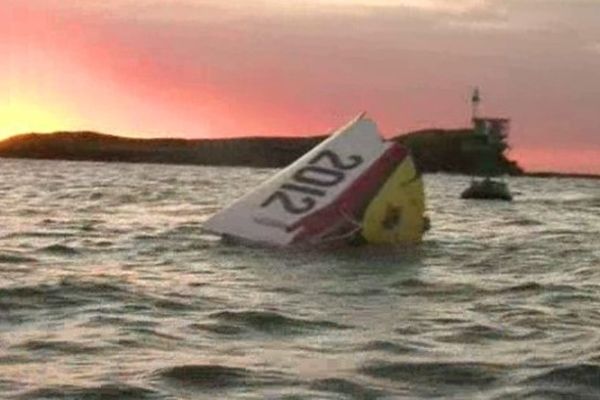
(307, 202)
(318, 176)
(312, 182)
(336, 161)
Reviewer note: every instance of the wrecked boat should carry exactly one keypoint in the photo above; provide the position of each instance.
(352, 188)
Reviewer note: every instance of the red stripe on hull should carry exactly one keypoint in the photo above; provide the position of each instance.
(339, 218)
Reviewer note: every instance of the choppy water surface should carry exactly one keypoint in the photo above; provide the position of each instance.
(108, 289)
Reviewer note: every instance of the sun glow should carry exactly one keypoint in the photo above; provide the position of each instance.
(22, 116)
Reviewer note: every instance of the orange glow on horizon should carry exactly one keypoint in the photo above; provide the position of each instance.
(26, 116)
(557, 159)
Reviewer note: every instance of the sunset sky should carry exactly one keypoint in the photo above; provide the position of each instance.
(207, 68)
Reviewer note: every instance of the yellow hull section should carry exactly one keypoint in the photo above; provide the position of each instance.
(396, 213)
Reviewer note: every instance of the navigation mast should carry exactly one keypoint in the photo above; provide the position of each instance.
(475, 100)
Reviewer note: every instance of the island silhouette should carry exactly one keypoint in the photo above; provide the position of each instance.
(434, 150)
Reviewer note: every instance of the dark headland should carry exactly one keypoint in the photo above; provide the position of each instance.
(434, 150)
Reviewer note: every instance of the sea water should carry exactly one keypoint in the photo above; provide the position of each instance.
(110, 290)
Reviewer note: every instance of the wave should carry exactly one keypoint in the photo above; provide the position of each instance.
(108, 391)
(539, 288)
(125, 321)
(476, 333)
(547, 394)
(436, 373)
(218, 328)
(274, 323)
(285, 290)
(584, 375)
(387, 347)
(521, 222)
(214, 376)
(60, 250)
(411, 283)
(209, 376)
(414, 286)
(356, 293)
(56, 346)
(346, 388)
(144, 334)
(420, 287)
(40, 234)
(7, 258)
(523, 287)
(65, 293)
(171, 305)
(96, 196)
(143, 339)
(577, 382)
(8, 386)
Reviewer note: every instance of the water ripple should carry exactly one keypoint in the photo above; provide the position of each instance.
(584, 375)
(110, 289)
(108, 391)
(274, 323)
(346, 388)
(437, 373)
(214, 376)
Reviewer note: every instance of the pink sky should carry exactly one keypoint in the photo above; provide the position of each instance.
(203, 68)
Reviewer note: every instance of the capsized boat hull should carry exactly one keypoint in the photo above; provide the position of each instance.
(354, 187)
